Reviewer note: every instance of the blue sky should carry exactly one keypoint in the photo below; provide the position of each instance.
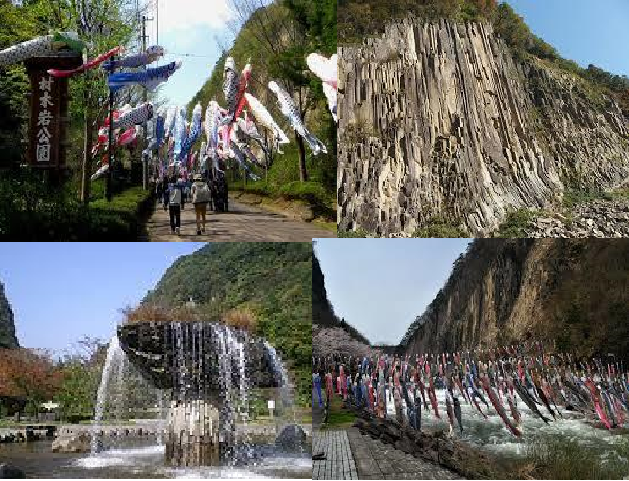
(586, 31)
(380, 285)
(62, 291)
(190, 27)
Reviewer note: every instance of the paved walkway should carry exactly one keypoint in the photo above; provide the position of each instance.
(243, 223)
(377, 460)
(339, 462)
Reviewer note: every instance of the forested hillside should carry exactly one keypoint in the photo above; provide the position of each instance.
(271, 280)
(32, 206)
(331, 335)
(7, 323)
(277, 39)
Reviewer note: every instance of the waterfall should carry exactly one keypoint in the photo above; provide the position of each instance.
(286, 389)
(160, 424)
(115, 356)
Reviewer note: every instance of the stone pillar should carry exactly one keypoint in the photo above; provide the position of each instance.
(192, 437)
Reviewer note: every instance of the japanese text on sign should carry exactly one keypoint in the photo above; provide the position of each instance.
(44, 120)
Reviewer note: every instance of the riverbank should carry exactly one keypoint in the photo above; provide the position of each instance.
(569, 447)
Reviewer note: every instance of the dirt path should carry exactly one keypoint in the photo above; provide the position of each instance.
(241, 224)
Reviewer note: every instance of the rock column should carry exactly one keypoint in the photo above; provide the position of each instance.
(192, 437)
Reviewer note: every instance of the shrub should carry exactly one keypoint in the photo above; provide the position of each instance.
(32, 210)
(358, 233)
(438, 227)
(241, 318)
(516, 223)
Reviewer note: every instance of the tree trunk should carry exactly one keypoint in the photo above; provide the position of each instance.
(87, 154)
(303, 173)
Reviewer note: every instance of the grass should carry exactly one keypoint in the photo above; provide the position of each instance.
(310, 193)
(359, 233)
(337, 416)
(560, 457)
(574, 197)
(440, 228)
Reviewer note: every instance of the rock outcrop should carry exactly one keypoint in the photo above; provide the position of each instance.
(599, 218)
(569, 293)
(7, 323)
(435, 447)
(292, 438)
(74, 443)
(440, 120)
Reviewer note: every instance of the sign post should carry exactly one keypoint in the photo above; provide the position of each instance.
(49, 111)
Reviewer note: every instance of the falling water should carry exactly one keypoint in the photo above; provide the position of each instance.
(286, 389)
(115, 355)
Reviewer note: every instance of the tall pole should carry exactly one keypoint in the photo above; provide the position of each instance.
(110, 148)
(145, 160)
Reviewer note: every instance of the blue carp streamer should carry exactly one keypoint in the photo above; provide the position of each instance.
(150, 78)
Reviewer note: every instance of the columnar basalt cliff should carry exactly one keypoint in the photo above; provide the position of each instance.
(571, 294)
(441, 120)
(7, 323)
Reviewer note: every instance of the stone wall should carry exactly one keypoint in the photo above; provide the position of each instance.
(439, 121)
(437, 447)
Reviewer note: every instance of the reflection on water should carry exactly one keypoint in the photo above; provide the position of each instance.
(146, 461)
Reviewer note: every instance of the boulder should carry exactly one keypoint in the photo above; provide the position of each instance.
(75, 443)
(11, 472)
(292, 438)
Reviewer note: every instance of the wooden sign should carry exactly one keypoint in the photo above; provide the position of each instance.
(48, 111)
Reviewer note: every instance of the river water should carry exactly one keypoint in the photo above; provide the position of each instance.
(491, 435)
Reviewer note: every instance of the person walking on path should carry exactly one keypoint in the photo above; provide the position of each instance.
(165, 193)
(174, 206)
(200, 198)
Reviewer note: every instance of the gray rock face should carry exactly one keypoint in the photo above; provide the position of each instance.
(505, 291)
(595, 219)
(292, 438)
(439, 120)
(7, 324)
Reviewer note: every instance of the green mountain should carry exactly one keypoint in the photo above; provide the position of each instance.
(276, 40)
(7, 323)
(273, 280)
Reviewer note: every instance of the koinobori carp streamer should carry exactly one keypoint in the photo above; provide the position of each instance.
(150, 78)
(291, 112)
(40, 46)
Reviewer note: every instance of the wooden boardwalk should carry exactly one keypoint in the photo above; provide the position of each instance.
(339, 462)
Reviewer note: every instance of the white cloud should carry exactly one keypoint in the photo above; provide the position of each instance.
(177, 14)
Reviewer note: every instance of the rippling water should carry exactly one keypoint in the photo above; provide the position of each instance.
(137, 461)
(492, 435)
